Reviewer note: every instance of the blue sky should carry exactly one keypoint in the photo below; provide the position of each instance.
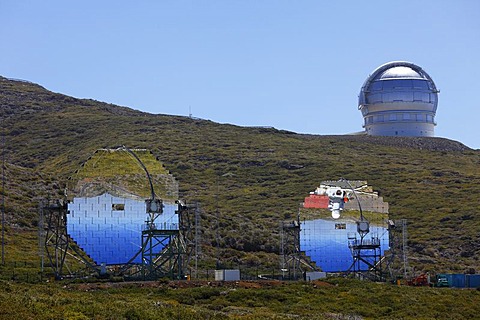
(293, 65)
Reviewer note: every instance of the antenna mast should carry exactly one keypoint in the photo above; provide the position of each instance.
(3, 191)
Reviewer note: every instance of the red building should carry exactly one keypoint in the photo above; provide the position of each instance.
(316, 201)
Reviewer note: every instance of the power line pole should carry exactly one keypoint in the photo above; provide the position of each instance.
(404, 247)
(3, 191)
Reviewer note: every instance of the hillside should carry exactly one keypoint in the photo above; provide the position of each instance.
(255, 177)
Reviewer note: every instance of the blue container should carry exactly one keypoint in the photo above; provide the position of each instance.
(473, 280)
(454, 280)
(458, 281)
(446, 276)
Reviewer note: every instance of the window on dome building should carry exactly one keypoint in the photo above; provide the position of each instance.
(420, 84)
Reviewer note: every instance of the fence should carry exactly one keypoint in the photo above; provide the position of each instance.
(21, 271)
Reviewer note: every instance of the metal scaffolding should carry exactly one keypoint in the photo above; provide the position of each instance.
(53, 235)
(366, 254)
(55, 243)
(166, 252)
(290, 249)
(293, 262)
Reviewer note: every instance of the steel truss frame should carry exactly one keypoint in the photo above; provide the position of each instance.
(55, 242)
(293, 261)
(368, 252)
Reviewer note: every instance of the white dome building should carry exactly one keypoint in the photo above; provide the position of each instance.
(399, 99)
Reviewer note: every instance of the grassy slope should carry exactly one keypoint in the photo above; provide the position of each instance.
(337, 299)
(254, 176)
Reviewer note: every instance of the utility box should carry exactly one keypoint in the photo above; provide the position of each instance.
(227, 275)
(314, 275)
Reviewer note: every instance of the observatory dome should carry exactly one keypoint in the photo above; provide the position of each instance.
(399, 99)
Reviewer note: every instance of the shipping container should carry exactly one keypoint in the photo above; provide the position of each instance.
(473, 280)
(454, 280)
(458, 280)
(445, 276)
